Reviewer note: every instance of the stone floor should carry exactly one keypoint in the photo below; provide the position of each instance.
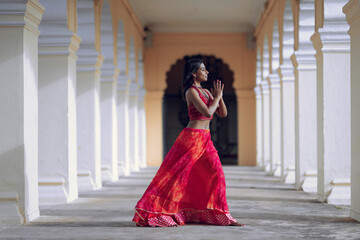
(270, 209)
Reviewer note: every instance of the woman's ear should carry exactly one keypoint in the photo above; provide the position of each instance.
(194, 75)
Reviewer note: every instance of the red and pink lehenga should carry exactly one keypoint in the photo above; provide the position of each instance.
(189, 185)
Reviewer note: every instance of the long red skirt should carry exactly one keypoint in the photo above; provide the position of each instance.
(188, 187)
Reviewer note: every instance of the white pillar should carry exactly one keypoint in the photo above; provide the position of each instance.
(57, 107)
(19, 110)
(352, 11)
(259, 129)
(88, 121)
(333, 105)
(142, 128)
(286, 72)
(305, 119)
(88, 101)
(133, 126)
(275, 128)
(109, 145)
(123, 126)
(266, 124)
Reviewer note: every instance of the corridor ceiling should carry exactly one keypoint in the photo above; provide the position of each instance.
(198, 15)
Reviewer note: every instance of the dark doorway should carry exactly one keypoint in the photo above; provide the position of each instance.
(175, 114)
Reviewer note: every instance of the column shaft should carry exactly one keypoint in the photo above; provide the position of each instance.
(57, 106)
(266, 125)
(259, 129)
(109, 162)
(133, 127)
(123, 128)
(352, 11)
(305, 120)
(275, 129)
(88, 130)
(333, 104)
(19, 110)
(288, 122)
(142, 129)
(57, 127)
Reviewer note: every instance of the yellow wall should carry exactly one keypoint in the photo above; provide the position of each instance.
(231, 48)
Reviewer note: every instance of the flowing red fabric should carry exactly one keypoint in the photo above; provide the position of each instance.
(188, 187)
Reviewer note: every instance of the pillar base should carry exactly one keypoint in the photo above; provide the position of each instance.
(310, 182)
(106, 173)
(52, 191)
(85, 182)
(340, 193)
(355, 215)
(267, 167)
(276, 171)
(122, 171)
(134, 167)
(9, 210)
(289, 177)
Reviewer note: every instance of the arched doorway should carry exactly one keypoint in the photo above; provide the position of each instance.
(175, 118)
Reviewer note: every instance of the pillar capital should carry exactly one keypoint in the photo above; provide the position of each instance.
(330, 42)
(331, 33)
(257, 91)
(141, 94)
(274, 80)
(89, 59)
(109, 72)
(304, 58)
(123, 82)
(265, 87)
(59, 44)
(352, 11)
(56, 38)
(133, 89)
(23, 13)
(286, 72)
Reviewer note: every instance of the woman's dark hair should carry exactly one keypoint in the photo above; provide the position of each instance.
(191, 66)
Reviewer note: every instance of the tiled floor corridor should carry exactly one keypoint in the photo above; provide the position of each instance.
(270, 209)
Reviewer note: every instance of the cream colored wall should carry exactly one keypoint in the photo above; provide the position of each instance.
(231, 48)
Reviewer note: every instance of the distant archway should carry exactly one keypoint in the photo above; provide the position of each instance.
(175, 118)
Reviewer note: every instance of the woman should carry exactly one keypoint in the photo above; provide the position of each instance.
(190, 184)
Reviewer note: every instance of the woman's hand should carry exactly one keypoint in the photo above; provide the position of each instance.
(217, 91)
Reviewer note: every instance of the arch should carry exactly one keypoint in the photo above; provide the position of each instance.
(275, 50)
(265, 59)
(175, 56)
(288, 32)
(121, 48)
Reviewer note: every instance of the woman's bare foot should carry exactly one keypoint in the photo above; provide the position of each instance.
(237, 224)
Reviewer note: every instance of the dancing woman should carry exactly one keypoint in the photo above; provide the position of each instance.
(190, 183)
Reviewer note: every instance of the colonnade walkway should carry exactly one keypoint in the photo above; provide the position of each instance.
(269, 208)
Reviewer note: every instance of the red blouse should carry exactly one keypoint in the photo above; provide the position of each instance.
(193, 113)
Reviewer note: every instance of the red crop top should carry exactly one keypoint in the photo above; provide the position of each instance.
(193, 113)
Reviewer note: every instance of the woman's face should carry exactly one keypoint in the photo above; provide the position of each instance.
(201, 74)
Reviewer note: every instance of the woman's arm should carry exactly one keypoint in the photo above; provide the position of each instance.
(195, 99)
(221, 108)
